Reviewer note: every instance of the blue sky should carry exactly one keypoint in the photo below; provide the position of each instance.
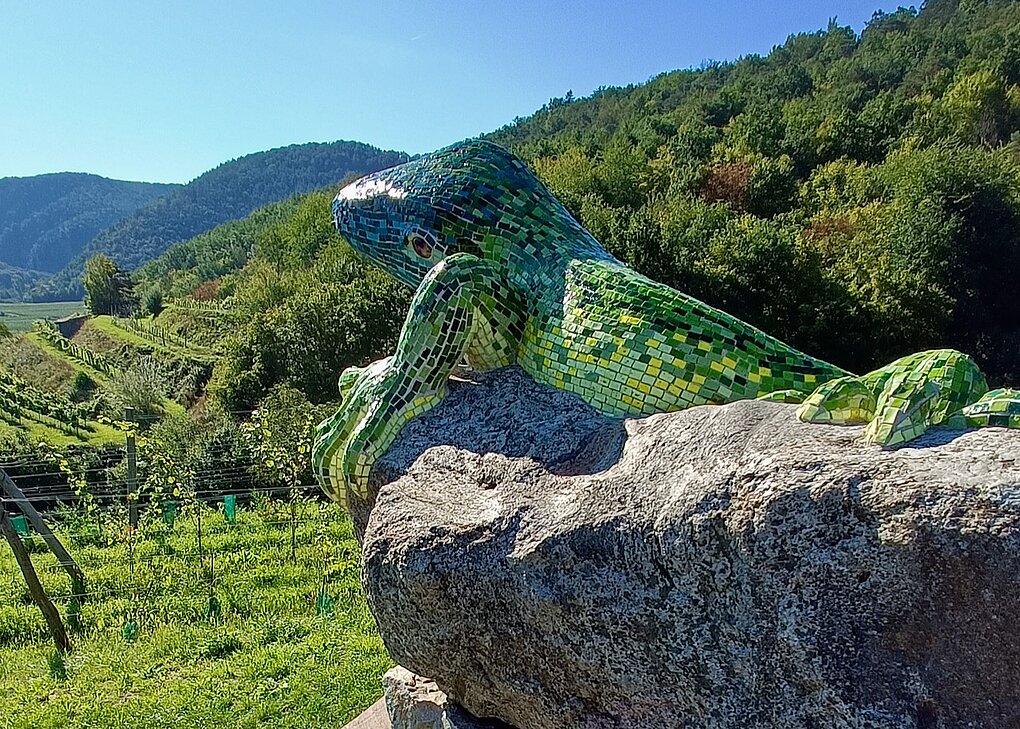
(164, 91)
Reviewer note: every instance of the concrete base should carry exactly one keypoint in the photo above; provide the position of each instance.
(374, 717)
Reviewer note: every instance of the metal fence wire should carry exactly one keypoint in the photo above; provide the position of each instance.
(191, 549)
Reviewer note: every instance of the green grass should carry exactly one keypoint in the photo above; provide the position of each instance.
(56, 353)
(167, 405)
(40, 429)
(108, 326)
(37, 362)
(19, 317)
(268, 659)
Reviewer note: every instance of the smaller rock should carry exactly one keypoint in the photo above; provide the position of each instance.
(415, 702)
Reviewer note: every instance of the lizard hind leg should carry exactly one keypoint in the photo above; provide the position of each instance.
(334, 431)
(922, 391)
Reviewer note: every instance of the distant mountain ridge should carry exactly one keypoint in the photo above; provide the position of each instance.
(16, 282)
(228, 192)
(46, 220)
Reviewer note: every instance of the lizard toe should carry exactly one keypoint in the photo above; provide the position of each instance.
(843, 401)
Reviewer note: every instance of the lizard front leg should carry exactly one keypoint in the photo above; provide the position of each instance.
(463, 307)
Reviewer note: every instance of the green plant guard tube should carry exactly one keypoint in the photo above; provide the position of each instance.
(20, 525)
(130, 631)
(324, 604)
(213, 609)
(169, 513)
(230, 508)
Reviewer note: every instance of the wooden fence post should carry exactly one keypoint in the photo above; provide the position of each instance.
(35, 519)
(49, 611)
(132, 471)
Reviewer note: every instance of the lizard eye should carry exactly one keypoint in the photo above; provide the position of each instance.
(420, 243)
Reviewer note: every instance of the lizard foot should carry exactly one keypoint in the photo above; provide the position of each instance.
(377, 402)
(793, 397)
(844, 401)
(902, 400)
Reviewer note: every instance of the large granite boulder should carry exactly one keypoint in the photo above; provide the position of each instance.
(726, 566)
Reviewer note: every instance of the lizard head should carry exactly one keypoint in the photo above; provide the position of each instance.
(474, 197)
(381, 217)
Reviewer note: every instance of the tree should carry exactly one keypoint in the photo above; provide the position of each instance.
(151, 300)
(107, 288)
(977, 110)
(280, 435)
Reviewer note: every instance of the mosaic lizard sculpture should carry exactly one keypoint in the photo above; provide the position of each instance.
(503, 273)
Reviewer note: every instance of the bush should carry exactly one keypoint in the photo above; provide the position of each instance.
(141, 387)
(280, 434)
(82, 387)
(151, 301)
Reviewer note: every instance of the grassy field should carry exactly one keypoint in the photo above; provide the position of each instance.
(38, 431)
(19, 317)
(108, 326)
(277, 654)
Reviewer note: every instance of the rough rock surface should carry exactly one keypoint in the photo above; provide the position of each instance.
(414, 702)
(725, 566)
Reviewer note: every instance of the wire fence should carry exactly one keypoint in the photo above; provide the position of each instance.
(196, 556)
(187, 529)
(221, 471)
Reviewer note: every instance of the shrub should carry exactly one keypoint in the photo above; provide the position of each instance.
(81, 387)
(141, 387)
(151, 301)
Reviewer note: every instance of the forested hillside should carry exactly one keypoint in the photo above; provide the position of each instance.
(15, 282)
(228, 192)
(856, 196)
(47, 220)
(215, 253)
